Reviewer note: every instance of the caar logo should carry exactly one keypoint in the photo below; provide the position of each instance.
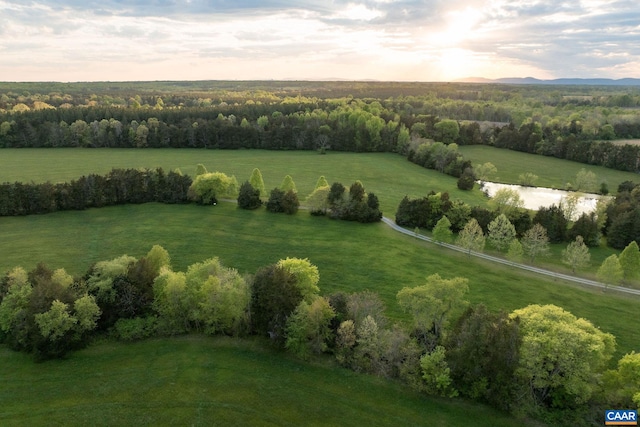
(621, 417)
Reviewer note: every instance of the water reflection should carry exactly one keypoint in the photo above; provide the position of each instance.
(536, 197)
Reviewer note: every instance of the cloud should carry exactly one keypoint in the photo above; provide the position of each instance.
(412, 39)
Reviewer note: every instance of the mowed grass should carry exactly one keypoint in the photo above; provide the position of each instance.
(204, 381)
(351, 257)
(389, 176)
(552, 172)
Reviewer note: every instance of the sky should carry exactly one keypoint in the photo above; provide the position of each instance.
(390, 40)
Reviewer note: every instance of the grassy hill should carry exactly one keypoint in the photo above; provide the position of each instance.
(351, 257)
(203, 381)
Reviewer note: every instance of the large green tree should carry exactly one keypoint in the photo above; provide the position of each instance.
(630, 261)
(501, 232)
(208, 187)
(433, 304)
(576, 255)
(561, 356)
(257, 182)
(308, 328)
(535, 242)
(471, 237)
(610, 271)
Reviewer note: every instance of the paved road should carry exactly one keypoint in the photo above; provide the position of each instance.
(542, 271)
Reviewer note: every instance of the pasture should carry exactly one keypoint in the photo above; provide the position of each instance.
(389, 176)
(552, 172)
(351, 257)
(202, 381)
(194, 379)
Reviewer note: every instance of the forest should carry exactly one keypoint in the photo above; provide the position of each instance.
(577, 123)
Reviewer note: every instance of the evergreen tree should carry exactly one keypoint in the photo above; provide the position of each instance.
(257, 183)
(248, 197)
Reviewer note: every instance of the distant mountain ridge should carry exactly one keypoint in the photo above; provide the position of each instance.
(565, 81)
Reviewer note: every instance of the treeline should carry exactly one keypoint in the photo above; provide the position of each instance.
(571, 143)
(120, 186)
(512, 361)
(618, 221)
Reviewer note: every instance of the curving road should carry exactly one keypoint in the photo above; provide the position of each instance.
(542, 271)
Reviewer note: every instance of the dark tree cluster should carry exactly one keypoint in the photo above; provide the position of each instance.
(354, 205)
(120, 186)
(623, 216)
(249, 197)
(283, 202)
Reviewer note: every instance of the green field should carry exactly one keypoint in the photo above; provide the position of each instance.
(200, 381)
(192, 380)
(389, 176)
(350, 256)
(552, 172)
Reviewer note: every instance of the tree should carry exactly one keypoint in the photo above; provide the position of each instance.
(306, 275)
(553, 220)
(501, 232)
(322, 182)
(466, 180)
(506, 200)
(288, 184)
(576, 255)
(308, 328)
(610, 272)
(275, 295)
(257, 182)
(515, 251)
(442, 231)
(173, 301)
(483, 354)
(485, 171)
(248, 197)
(471, 237)
(317, 201)
(158, 257)
(586, 181)
(222, 301)
(622, 385)
(56, 322)
(432, 305)
(446, 131)
(630, 261)
(208, 187)
(436, 373)
(561, 356)
(290, 202)
(535, 242)
(274, 204)
(527, 179)
(201, 169)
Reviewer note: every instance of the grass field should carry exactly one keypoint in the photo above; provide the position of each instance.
(389, 176)
(351, 257)
(552, 172)
(201, 381)
(193, 380)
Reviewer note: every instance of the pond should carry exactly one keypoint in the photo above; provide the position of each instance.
(536, 197)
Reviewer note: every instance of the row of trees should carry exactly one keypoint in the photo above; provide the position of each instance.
(120, 186)
(345, 124)
(618, 220)
(539, 360)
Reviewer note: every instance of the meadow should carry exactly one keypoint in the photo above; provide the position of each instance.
(202, 381)
(389, 176)
(351, 257)
(552, 172)
(193, 379)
